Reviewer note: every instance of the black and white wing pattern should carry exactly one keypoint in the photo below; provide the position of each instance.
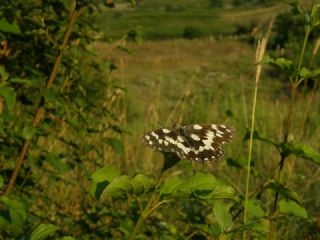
(197, 142)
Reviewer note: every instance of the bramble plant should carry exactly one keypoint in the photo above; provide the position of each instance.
(65, 170)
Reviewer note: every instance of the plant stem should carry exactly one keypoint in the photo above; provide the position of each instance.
(259, 56)
(40, 109)
(145, 213)
(294, 86)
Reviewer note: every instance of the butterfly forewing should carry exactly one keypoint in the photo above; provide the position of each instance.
(195, 142)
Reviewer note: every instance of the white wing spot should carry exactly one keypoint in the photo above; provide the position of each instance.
(201, 148)
(165, 130)
(180, 139)
(147, 137)
(218, 135)
(160, 141)
(169, 139)
(223, 126)
(210, 134)
(206, 159)
(166, 143)
(207, 147)
(155, 135)
(228, 130)
(197, 126)
(150, 142)
(195, 137)
(183, 148)
(214, 126)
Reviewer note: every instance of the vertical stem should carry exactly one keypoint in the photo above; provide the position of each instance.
(259, 55)
(294, 86)
(143, 214)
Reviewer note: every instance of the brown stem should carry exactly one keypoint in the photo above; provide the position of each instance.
(40, 109)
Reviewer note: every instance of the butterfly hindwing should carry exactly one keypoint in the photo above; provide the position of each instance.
(196, 142)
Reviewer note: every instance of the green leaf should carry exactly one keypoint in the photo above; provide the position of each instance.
(123, 185)
(284, 191)
(101, 178)
(25, 82)
(116, 145)
(108, 183)
(284, 64)
(306, 73)
(315, 15)
(9, 27)
(12, 216)
(142, 183)
(170, 185)
(201, 185)
(43, 231)
(290, 207)
(303, 151)
(9, 96)
(254, 210)
(222, 214)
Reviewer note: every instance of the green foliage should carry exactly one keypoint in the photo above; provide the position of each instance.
(291, 207)
(79, 134)
(201, 185)
(43, 231)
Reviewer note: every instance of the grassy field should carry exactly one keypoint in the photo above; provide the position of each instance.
(207, 80)
(192, 62)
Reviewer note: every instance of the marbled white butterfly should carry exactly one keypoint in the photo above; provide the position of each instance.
(197, 142)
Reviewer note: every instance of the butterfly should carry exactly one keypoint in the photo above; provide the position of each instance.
(197, 142)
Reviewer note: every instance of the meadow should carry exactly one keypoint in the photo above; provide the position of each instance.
(86, 173)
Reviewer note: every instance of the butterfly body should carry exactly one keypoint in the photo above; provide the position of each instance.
(197, 142)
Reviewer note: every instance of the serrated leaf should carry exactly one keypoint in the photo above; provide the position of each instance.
(142, 183)
(43, 231)
(284, 64)
(106, 173)
(201, 185)
(284, 191)
(5, 26)
(113, 185)
(116, 145)
(118, 187)
(303, 151)
(101, 178)
(290, 207)
(306, 73)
